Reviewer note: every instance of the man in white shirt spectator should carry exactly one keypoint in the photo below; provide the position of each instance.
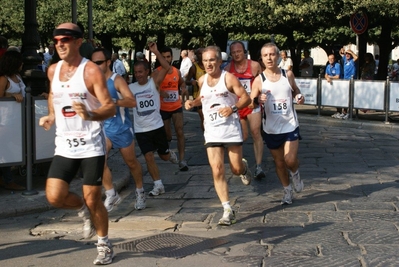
(118, 67)
(286, 62)
(185, 64)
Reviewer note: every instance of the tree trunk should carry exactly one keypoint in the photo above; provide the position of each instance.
(385, 45)
(220, 39)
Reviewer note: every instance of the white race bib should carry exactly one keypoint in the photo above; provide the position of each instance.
(279, 106)
(246, 83)
(173, 96)
(144, 103)
(213, 117)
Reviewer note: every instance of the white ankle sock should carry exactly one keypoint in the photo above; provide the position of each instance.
(110, 192)
(158, 182)
(140, 190)
(226, 205)
(288, 187)
(102, 240)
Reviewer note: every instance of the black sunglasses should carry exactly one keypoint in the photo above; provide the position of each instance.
(99, 62)
(63, 40)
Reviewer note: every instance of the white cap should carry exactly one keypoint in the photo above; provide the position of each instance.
(225, 57)
(140, 55)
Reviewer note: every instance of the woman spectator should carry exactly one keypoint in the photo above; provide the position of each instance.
(368, 68)
(11, 85)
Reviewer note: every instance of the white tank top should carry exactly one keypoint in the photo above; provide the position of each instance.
(146, 114)
(16, 87)
(219, 129)
(280, 114)
(75, 137)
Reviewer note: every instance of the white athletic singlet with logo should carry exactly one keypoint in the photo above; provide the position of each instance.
(75, 137)
(147, 116)
(219, 129)
(280, 114)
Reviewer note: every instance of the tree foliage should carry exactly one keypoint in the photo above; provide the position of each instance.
(296, 24)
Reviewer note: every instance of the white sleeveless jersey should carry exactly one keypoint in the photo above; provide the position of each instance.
(219, 129)
(146, 114)
(280, 114)
(75, 137)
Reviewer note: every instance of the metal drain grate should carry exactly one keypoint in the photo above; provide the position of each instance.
(171, 245)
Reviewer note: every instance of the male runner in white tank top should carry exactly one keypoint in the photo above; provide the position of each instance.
(221, 95)
(277, 89)
(78, 103)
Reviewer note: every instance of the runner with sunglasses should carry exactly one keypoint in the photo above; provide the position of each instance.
(78, 103)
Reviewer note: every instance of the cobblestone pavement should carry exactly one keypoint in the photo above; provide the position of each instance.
(347, 214)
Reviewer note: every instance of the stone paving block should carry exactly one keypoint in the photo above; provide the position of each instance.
(300, 206)
(376, 237)
(358, 206)
(192, 214)
(344, 261)
(159, 225)
(294, 250)
(374, 216)
(381, 260)
(194, 226)
(305, 237)
(332, 250)
(376, 250)
(249, 261)
(325, 216)
(351, 226)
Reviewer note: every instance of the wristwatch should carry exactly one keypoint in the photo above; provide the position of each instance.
(234, 108)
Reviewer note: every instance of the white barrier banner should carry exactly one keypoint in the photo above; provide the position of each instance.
(308, 89)
(335, 94)
(44, 140)
(394, 97)
(11, 144)
(369, 94)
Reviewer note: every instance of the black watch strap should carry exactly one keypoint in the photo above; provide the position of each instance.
(234, 108)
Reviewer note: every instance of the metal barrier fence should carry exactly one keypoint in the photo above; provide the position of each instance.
(351, 94)
(23, 141)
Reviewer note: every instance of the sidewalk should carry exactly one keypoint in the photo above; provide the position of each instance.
(347, 214)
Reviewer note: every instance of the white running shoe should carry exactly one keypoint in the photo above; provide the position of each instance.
(140, 201)
(247, 177)
(105, 254)
(344, 116)
(229, 217)
(157, 190)
(111, 201)
(88, 228)
(336, 115)
(173, 158)
(296, 181)
(287, 199)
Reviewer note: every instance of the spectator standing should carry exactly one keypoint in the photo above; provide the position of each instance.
(277, 89)
(395, 71)
(218, 94)
(333, 71)
(306, 65)
(126, 64)
(286, 62)
(185, 66)
(11, 85)
(246, 70)
(349, 59)
(48, 56)
(196, 71)
(80, 140)
(117, 66)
